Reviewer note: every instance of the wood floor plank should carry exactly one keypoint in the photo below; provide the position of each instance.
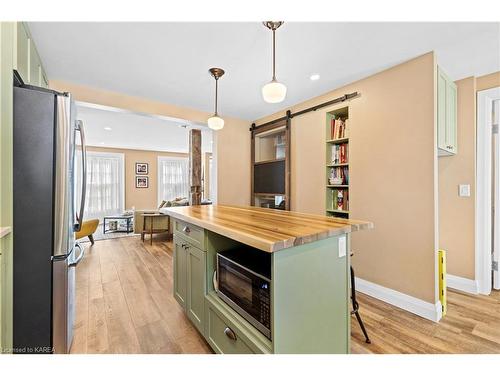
(155, 339)
(121, 331)
(97, 335)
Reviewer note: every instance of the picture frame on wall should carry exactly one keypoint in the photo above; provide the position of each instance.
(141, 168)
(141, 182)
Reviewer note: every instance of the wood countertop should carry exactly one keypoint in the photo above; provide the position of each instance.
(263, 228)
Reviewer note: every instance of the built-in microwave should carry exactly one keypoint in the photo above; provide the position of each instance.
(243, 280)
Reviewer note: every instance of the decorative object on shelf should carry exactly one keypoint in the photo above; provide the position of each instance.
(141, 168)
(274, 91)
(141, 182)
(215, 122)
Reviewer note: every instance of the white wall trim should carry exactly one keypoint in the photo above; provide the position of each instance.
(463, 284)
(414, 305)
(483, 189)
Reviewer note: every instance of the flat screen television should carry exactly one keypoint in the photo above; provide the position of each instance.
(269, 177)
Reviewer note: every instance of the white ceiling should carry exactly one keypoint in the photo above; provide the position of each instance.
(169, 61)
(137, 131)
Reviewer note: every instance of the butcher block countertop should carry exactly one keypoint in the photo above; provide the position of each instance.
(263, 228)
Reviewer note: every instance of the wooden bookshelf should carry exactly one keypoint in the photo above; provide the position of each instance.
(337, 160)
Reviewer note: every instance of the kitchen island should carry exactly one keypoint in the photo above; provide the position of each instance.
(309, 272)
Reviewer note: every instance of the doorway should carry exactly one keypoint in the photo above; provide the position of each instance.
(487, 241)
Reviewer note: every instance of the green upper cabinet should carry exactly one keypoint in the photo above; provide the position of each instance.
(446, 115)
(22, 55)
(35, 66)
(26, 59)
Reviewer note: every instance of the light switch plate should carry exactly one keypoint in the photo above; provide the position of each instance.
(342, 246)
(464, 190)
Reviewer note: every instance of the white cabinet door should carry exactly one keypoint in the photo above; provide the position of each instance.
(446, 115)
(451, 116)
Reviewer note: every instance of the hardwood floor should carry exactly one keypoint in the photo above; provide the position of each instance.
(472, 325)
(125, 305)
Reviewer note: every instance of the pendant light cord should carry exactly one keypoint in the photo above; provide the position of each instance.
(274, 55)
(216, 92)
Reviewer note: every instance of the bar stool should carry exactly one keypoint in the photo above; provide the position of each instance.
(355, 306)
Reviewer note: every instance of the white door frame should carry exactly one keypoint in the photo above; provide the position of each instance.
(483, 221)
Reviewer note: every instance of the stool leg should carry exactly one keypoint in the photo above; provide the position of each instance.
(151, 229)
(143, 228)
(355, 306)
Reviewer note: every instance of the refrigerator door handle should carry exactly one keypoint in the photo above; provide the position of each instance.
(79, 217)
(80, 256)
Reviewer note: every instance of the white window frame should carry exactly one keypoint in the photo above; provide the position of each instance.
(158, 174)
(121, 159)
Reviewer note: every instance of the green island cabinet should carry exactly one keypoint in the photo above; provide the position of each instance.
(446, 115)
(310, 310)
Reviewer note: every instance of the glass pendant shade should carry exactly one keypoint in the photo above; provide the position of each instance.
(215, 122)
(274, 92)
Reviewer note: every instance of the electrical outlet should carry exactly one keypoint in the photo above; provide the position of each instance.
(464, 190)
(342, 246)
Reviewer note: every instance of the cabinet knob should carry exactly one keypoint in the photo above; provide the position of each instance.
(186, 229)
(230, 333)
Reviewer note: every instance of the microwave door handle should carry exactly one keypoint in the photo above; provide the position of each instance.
(215, 282)
(79, 217)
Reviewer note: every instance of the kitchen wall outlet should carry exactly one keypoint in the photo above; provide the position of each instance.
(342, 246)
(464, 190)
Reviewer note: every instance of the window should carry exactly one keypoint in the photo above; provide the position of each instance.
(173, 181)
(105, 184)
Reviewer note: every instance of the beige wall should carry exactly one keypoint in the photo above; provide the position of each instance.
(457, 214)
(232, 144)
(392, 172)
(140, 198)
(488, 81)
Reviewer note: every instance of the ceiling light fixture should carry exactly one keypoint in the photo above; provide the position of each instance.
(107, 128)
(274, 91)
(215, 122)
(314, 77)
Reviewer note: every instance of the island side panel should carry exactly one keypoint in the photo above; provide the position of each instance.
(310, 294)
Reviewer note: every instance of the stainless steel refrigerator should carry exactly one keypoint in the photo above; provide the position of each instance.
(45, 219)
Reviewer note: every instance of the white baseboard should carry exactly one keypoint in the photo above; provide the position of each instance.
(414, 305)
(463, 284)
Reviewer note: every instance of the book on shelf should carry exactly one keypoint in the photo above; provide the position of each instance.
(338, 128)
(340, 199)
(339, 176)
(339, 153)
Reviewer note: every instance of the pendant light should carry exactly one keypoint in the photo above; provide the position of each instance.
(274, 91)
(215, 122)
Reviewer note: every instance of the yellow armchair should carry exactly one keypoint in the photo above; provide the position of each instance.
(87, 230)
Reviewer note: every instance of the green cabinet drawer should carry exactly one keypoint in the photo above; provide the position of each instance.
(227, 332)
(191, 233)
(223, 336)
